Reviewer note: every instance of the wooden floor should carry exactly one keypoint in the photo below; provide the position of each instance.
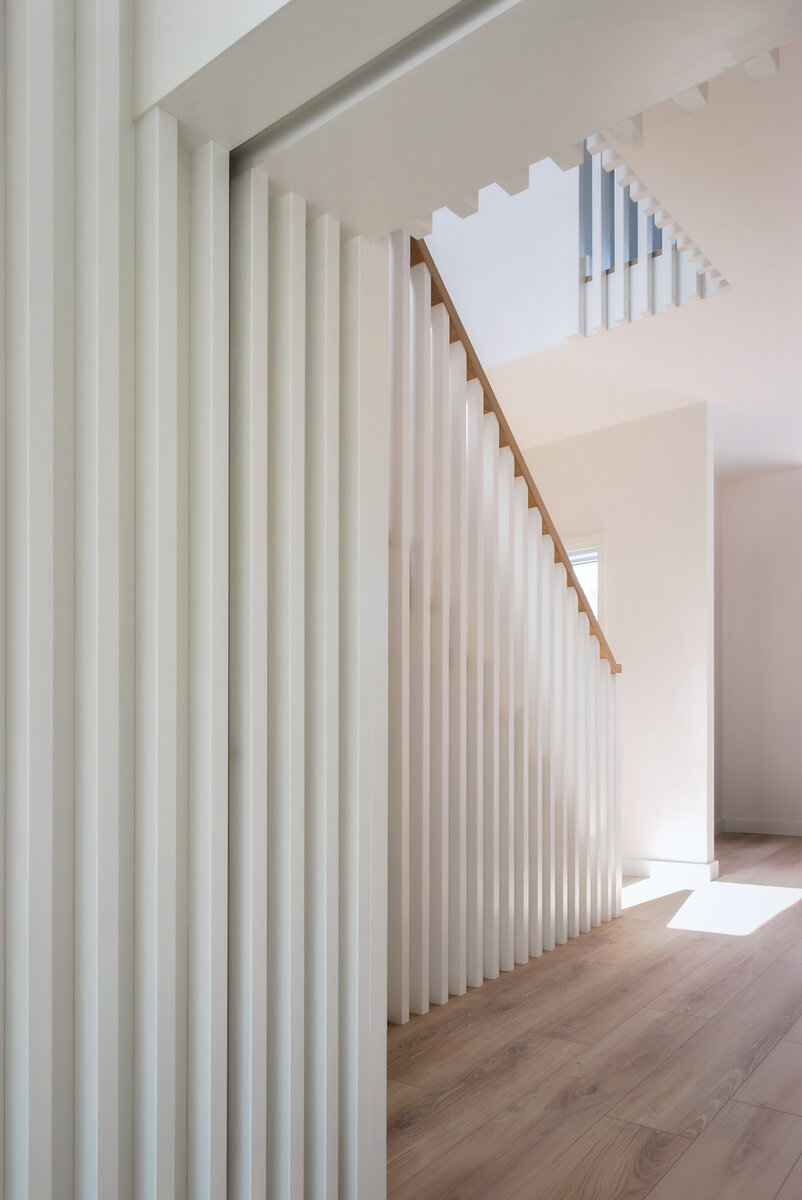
(642, 1059)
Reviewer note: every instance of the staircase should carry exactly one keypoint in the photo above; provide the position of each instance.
(503, 838)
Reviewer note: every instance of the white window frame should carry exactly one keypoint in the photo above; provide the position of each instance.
(593, 541)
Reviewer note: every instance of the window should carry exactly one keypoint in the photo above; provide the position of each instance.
(585, 556)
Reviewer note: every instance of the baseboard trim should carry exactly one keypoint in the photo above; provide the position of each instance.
(719, 827)
(781, 828)
(683, 874)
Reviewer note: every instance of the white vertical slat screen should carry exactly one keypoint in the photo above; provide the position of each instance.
(547, 648)
(161, 700)
(474, 487)
(622, 277)
(439, 757)
(420, 592)
(506, 652)
(364, 522)
(502, 818)
(285, 683)
(248, 702)
(208, 671)
(490, 793)
(322, 831)
(194, 462)
(532, 672)
(522, 731)
(399, 624)
(559, 747)
(307, 975)
(39, 616)
(458, 671)
(3, 507)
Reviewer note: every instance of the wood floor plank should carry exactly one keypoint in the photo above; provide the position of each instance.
(612, 1160)
(587, 1018)
(427, 1124)
(704, 1073)
(710, 987)
(744, 1154)
(503, 1017)
(522, 1138)
(736, 852)
(698, 1024)
(792, 1188)
(406, 1043)
(401, 1096)
(794, 953)
(778, 935)
(777, 1082)
(794, 1034)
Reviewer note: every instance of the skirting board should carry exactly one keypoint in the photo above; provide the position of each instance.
(719, 826)
(683, 874)
(781, 828)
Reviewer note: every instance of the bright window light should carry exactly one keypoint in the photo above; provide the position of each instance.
(732, 908)
(735, 908)
(586, 566)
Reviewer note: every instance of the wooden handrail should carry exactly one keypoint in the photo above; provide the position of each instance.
(419, 253)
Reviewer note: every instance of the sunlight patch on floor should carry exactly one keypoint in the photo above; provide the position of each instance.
(734, 908)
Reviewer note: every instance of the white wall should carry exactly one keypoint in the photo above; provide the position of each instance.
(648, 486)
(760, 538)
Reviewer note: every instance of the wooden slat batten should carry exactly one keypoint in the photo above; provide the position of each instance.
(419, 253)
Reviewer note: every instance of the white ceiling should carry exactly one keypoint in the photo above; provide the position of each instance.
(732, 175)
(517, 86)
(516, 82)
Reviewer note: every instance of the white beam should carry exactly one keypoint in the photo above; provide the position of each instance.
(693, 99)
(515, 183)
(104, 619)
(629, 129)
(570, 157)
(763, 66)
(465, 206)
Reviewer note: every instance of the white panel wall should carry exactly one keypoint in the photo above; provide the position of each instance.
(759, 690)
(623, 480)
(510, 707)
